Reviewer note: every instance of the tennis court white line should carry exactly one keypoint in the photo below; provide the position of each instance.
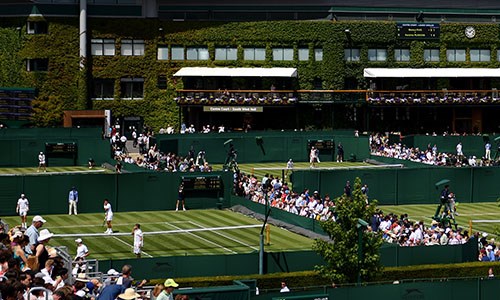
(120, 224)
(52, 173)
(486, 221)
(335, 168)
(227, 237)
(158, 232)
(206, 240)
(130, 245)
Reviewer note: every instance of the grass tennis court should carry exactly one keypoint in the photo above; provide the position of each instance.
(168, 233)
(485, 217)
(51, 170)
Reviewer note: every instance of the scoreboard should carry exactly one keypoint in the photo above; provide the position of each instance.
(61, 154)
(418, 31)
(320, 144)
(202, 183)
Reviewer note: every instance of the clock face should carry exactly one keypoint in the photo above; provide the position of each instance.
(470, 32)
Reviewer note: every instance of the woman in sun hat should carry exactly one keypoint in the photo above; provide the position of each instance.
(129, 294)
(41, 251)
(168, 291)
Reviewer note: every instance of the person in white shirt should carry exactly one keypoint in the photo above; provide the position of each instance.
(138, 239)
(284, 288)
(81, 250)
(22, 208)
(108, 216)
(41, 162)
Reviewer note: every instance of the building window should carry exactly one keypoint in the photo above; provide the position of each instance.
(37, 65)
(431, 55)
(351, 54)
(162, 53)
(132, 88)
(254, 54)
(102, 47)
(197, 54)
(161, 83)
(132, 47)
(103, 89)
(283, 54)
(377, 54)
(455, 54)
(177, 53)
(40, 27)
(303, 54)
(226, 53)
(318, 54)
(480, 55)
(402, 54)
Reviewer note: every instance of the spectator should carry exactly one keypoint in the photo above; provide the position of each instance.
(168, 291)
(284, 287)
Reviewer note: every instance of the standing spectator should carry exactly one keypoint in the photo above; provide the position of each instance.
(340, 153)
(312, 157)
(126, 278)
(73, 201)
(134, 137)
(289, 167)
(91, 163)
(181, 197)
(364, 191)
(41, 251)
(347, 189)
(138, 239)
(22, 208)
(284, 287)
(81, 250)
(41, 162)
(487, 151)
(168, 291)
(459, 150)
(32, 233)
(108, 216)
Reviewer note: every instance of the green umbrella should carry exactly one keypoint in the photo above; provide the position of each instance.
(441, 182)
(228, 141)
(497, 139)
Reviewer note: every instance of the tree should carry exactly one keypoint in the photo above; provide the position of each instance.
(340, 253)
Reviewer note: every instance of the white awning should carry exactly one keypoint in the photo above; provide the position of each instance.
(236, 72)
(430, 72)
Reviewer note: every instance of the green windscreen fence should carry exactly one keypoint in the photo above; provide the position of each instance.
(264, 146)
(406, 185)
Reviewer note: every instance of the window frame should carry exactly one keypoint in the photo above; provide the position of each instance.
(480, 51)
(318, 54)
(34, 64)
(284, 51)
(225, 54)
(133, 81)
(453, 52)
(200, 52)
(253, 52)
(137, 47)
(348, 54)
(398, 54)
(378, 52)
(303, 57)
(432, 53)
(101, 81)
(94, 45)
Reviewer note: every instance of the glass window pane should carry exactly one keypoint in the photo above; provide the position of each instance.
(96, 49)
(318, 54)
(220, 54)
(485, 55)
(474, 55)
(303, 54)
(372, 54)
(381, 55)
(139, 48)
(450, 55)
(435, 54)
(249, 54)
(288, 54)
(405, 54)
(203, 54)
(355, 54)
(260, 54)
(162, 53)
(192, 54)
(232, 53)
(278, 54)
(460, 54)
(126, 49)
(177, 53)
(109, 49)
(137, 90)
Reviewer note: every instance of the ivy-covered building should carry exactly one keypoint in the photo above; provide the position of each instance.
(388, 66)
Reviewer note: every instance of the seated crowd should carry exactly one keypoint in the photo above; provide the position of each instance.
(379, 146)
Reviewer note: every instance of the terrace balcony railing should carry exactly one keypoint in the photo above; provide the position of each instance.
(375, 97)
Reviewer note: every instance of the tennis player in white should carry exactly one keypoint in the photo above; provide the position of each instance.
(138, 239)
(108, 216)
(22, 208)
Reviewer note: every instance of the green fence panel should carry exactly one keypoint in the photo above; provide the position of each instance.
(10, 153)
(231, 292)
(486, 187)
(11, 188)
(282, 262)
(395, 161)
(472, 144)
(389, 255)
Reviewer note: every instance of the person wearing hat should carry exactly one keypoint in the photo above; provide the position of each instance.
(129, 294)
(112, 276)
(41, 251)
(32, 233)
(168, 291)
(22, 208)
(73, 201)
(41, 162)
(81, 250)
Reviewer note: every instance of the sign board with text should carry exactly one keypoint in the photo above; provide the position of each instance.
(418, 31)
(233, 109)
